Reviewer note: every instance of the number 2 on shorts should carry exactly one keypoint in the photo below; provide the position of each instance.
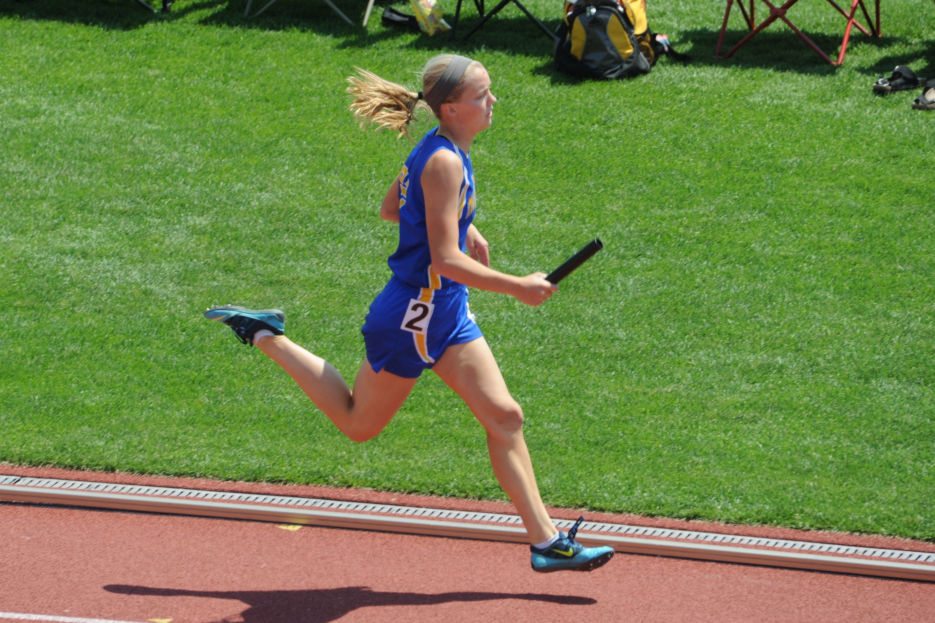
(417, 317)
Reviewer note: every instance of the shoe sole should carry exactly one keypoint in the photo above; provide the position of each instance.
(223, 312)
(593, 564)
(589, 565)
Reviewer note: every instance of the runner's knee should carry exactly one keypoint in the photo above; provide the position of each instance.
(360, 435)
(364, 427)
(505, 420)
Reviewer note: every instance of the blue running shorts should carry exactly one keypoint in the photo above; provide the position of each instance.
(408, 328)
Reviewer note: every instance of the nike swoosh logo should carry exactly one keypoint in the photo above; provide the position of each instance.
(568, 553)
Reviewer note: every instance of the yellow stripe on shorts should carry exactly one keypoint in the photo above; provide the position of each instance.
(426, 295)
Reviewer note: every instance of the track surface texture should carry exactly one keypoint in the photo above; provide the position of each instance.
(76, 565)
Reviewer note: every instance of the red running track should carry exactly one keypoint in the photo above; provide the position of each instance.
(83, 566)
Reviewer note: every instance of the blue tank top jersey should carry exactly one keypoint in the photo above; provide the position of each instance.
(411, 262)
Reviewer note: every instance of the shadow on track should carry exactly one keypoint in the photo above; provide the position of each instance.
(323, 605)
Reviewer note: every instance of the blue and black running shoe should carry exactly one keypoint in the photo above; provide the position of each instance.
(246, 322)
(567, 555)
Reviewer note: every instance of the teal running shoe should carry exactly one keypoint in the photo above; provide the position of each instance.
(567, 555)
(246, 322)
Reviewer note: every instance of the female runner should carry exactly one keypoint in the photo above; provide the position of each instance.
(421, 320)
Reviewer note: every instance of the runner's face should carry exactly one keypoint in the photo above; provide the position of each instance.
(474, 108)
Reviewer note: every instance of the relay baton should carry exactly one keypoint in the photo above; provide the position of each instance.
(575, 261)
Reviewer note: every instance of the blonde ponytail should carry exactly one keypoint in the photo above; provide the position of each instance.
(388, 105)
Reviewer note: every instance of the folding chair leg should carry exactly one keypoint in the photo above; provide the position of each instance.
(166, 5)
(851, 21)
(272, 2)
(774, 14)
(266, 6)
(851, 17)
(720, 37)
(486, 17)
(479, 4)
(500, 6)
(335, 8)
(749, 17)
(847, 33)
(367, 12)
(454, 22)
(805, 38)
(548, 33)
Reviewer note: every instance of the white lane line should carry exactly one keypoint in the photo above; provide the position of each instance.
(48, 618)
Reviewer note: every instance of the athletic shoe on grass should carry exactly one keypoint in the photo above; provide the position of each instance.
(246, 322)
(567, 555)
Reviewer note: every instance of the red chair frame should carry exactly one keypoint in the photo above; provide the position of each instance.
(779, 12)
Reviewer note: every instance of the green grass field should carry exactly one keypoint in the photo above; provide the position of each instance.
(755, 344)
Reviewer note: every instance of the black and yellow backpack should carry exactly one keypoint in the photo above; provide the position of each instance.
(607, 39)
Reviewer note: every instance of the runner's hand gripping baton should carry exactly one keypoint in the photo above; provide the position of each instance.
(575, 261)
